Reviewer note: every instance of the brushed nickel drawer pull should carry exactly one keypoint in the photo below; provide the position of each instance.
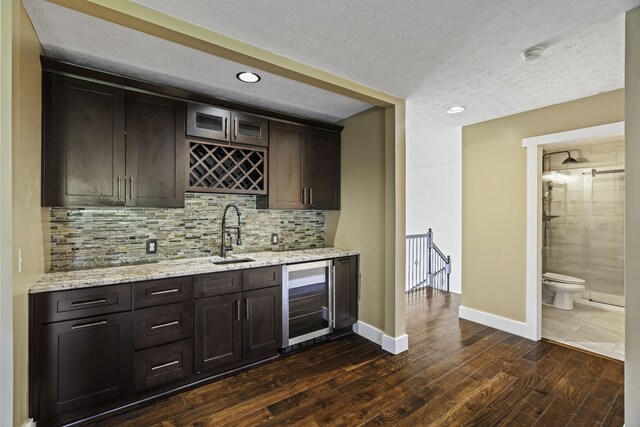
(311, 196)
(95, 301)
(238, 310)
(166, 291)
(175, 362)
(119, 188)
(226, 127)
(88, 325)
(164, 325)
(235, 128)
(131, 188)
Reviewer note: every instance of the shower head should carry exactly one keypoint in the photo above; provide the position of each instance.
(569, 160)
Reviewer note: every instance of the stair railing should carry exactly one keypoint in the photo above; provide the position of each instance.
(427, 265)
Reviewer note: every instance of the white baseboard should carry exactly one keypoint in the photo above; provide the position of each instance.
(369, 332)
(373, 334)
(497, 322)
(395, 345)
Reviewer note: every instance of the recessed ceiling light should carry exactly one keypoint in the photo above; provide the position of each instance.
(248, 77)
(532, 54)
(455, 109)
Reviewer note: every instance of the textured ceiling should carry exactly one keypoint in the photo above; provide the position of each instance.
(74, 37)
(437, 53)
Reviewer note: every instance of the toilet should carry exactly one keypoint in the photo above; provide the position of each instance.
(558, 288)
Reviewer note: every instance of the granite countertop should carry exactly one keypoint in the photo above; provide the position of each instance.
(76, 279)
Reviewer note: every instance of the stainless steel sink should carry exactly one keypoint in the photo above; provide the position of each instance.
(232, 261)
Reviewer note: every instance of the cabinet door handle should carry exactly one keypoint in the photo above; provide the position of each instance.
(311, 196)
(131, 188)
(88, 325)
(164, 325)
(166, 291)
(246, 307)
(343, 260)
(165, 365)
(304, 196)
(333, 286)
(238, 310)
(119, 180)
(235, 128)
(91, 302)
(226, 127)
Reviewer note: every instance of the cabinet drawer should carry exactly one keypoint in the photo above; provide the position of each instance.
(207, 285)
(165, 291)
(160, 365)
(264, 277)
(161, 325)
(78, 303)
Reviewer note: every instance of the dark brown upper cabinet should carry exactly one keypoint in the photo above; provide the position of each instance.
(92, 158)
(249, 129)
(155, 152)
(83, 143)
(322, 169)
(209, 122)
(304, 168)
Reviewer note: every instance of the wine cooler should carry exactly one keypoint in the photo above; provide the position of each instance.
(307, 301)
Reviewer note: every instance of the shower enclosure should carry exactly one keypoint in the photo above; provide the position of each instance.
(583, 229)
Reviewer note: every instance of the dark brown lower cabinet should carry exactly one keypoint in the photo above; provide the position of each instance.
(346, 288)
(92, 351)
(241, 327)
(84, 362)
(218, 332)
(262, 324)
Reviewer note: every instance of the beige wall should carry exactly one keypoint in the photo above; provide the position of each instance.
(26, 211)
(360, 222)
(632, 221)
(6, 280)
(395, 220)
(494, 198)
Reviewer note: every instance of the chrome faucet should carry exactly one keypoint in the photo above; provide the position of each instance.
(225, 230)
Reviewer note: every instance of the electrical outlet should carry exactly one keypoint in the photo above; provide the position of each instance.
(274, 238)
(152, 246)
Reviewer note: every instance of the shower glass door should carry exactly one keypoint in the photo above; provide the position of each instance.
(606, 236)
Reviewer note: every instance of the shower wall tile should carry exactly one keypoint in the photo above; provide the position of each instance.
(598, 152)
(90, 238)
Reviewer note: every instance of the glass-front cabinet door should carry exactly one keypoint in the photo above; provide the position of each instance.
(249, 129)
(209, 122)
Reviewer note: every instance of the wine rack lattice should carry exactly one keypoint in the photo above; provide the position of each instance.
(226, 169)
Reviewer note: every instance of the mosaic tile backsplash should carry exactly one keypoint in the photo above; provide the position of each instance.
(90, 237)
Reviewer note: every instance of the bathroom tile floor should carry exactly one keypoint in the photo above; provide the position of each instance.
(586, 327)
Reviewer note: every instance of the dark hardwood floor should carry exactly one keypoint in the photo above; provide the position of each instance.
(455, 373)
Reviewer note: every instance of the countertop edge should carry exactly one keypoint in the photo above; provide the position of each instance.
(82, 279)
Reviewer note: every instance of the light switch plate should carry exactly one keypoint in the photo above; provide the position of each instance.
(274, 238)
(152, 246)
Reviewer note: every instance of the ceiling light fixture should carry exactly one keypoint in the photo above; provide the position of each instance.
(248, 77)
(532, 54)
(455, 109)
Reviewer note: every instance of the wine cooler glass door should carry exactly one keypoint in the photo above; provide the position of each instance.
(308, 304)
